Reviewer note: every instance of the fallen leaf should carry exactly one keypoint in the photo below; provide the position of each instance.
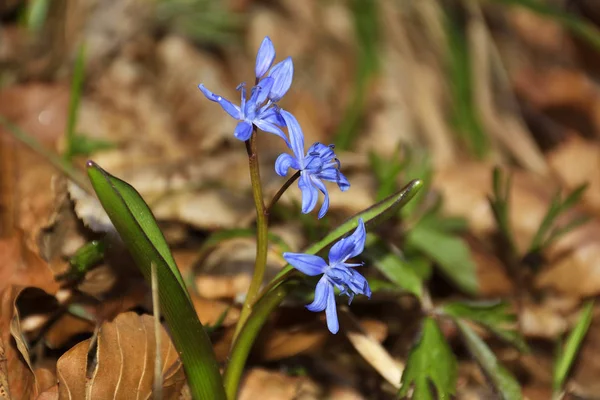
(371, 350)
(269, 385)
(17, 378)
(124, 367)
(283, 343)
(22, 267)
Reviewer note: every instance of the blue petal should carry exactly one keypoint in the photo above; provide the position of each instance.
(323, 291)
(319, 185)
(285, 162)
(296, 135)
(230, 108)
(264, 57)
(282, 72)
(264, 87)
(350, 246)
(334, 175)
(272, 115)
(308, 264)
(243, 131)
(310, 195)
(359, 284)
(331, 313)
(271, 128)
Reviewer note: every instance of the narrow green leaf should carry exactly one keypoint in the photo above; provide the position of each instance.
(465, 113)
(392, 266)
(569, 352)
(559, 231)
(76, 89)
(142, 224)
(499, 202)
(85, 258)
(450, 253)
(386, 172)
(494, 315)
(430, 362)
(371, 216)
(84, 146)
(135, 223)
(506, 385)
(366, 24)
(56, 161)
(36, 14)
(544, 236)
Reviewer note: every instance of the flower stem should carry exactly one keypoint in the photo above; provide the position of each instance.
(282, 190)
(262, 220)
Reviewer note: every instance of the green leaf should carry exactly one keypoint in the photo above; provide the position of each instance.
(506, 385)
(465, 115)
(85, 258)
(569, 352)
(386, 172)
(393, 266)
(366, 24)
(430, 362)
(36, 14)
(76, 89)
(494, 315)
(371, 216)
(135, 223)
(544, 236)
(499, 202)
(84, 146)
(450, 253)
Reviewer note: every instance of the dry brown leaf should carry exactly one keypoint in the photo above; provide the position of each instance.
(23, 267)
(268, 385)
(210, 311)
(284, 343)
(17, 378)
(575, 162)
(370, 349)
(574, 261)
(65, 328)
(49, 394)
(492, 278)
(124, 366)
(39, 110)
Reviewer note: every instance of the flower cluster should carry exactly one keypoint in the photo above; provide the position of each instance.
(318, 164)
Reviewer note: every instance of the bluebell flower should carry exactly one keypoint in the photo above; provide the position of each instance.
(319, 164)
(260, 109)
(337, 274)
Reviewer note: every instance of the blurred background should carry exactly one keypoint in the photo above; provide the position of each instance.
(440, 90)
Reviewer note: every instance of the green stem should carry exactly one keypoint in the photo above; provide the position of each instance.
(282, 190)
(247, 336)
(262, 221)
(60, 164)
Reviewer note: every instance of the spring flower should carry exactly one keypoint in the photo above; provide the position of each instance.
(319, 164)
(260, 109)
(337, 274)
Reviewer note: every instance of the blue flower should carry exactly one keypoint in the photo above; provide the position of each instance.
(337, 274)
(260, 110)
(319, 164)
